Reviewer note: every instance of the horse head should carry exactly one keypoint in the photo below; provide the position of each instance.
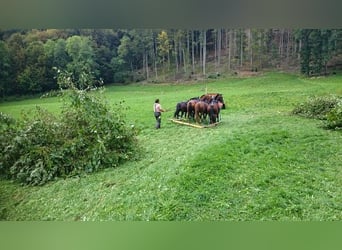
(219, 98)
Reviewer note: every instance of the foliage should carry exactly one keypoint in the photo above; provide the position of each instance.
(27, 57)
(324, 108)
(316, 107)
(7, 134)
(163, 45)
(334, 117)
(318, 47)
(82, 55)
(31, 154)
(86, 137)
(4, 68)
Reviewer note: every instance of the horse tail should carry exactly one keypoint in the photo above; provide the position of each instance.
(177, 111)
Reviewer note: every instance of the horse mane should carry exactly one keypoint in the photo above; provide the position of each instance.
(194, 98)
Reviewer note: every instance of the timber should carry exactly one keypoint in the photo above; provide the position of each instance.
(194, 125)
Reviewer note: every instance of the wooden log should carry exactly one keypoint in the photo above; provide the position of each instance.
(194, 125)
(211, 125)
(187, 123)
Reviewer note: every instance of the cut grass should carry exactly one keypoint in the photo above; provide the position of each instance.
(260, 163)
(262, 175)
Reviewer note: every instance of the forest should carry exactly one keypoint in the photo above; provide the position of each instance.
(30, 59)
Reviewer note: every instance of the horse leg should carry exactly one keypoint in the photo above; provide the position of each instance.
(176, 115)
(197, 116)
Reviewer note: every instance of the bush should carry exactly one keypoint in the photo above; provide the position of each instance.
(316, 107)
(88, 136)
(30, 154)
(7, 133)
(334, 117)
(328, 108)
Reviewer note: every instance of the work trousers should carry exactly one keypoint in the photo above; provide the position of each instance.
(157, 115)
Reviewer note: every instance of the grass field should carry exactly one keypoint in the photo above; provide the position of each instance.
(260, 163)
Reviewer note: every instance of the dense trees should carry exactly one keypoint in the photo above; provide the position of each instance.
(28, 57)
(319, 46)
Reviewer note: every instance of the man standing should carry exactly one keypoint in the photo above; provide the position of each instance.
(157, 109)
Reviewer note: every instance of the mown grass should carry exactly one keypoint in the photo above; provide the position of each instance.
(260, 163)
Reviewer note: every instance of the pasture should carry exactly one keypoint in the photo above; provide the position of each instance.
(259, 163)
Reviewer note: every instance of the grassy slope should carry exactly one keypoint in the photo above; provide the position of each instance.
(260, 163)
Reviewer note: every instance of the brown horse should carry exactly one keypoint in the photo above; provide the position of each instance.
(191, 108)
(213, 97)
(214, 111)
(181, 108)
(201, 111)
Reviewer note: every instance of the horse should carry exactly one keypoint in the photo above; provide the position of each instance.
(191, 107)
(181, 107)
(214, 108)
(201, 111)
(213, 97)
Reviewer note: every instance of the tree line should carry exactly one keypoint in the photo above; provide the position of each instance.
(30, 59)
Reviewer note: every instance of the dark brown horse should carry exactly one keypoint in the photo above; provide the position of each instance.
(201, 111)
(213, 97)
(214, 108)
(181, 108)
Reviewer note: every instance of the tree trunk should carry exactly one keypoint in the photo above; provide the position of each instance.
(187, 50)
(193, 50)
(230, 49)
(184, 61)
(288, 48)
(241, 48)
(155, 57)
(146, 64)
(214, 35)
(250, 49)
(201, 48)
(180, 52)
(204, 50)
(219, 45)
(176, 55)
(300, 48)
(168, 61)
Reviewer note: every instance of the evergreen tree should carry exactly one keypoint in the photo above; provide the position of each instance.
(4, 69)
(305, 52)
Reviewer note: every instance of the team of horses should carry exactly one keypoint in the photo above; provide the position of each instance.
(199, 108)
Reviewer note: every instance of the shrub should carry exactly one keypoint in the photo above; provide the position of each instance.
(316, 107)
(96, 136)
(334, 117)
(30, 154)
(7, 133)
(86, 137)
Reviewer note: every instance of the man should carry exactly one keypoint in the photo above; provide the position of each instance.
(157, 109)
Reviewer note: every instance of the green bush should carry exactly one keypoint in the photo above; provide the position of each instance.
(7, 133)
(334, 117)
(317, 107)
(86, 137)
(328, 108)
(30, 153)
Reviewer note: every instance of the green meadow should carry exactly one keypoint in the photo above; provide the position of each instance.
(260, 163)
